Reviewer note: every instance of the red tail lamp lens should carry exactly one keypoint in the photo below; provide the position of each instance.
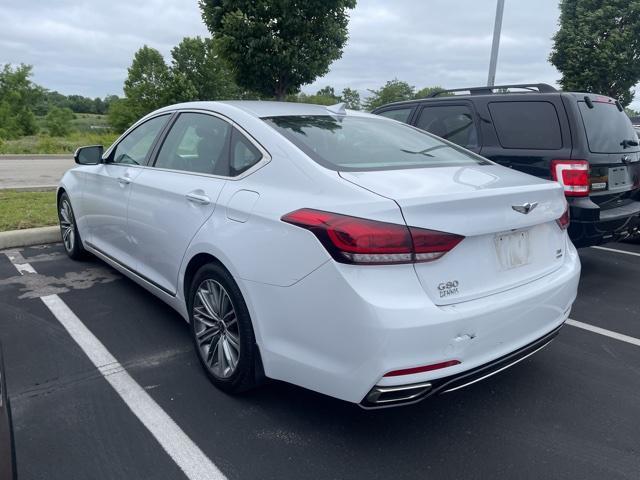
(361, 241)
(573, 175)
(564, 220)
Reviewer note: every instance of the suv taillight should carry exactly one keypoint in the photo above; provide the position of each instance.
(573, 175)
(369, 242)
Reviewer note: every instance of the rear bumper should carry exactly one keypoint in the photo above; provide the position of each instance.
(592, 226)
(404, 395)
(339, 330)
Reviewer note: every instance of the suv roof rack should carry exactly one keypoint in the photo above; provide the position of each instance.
(489, 90)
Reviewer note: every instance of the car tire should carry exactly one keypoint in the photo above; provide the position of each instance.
(234, 346)
(69, 229)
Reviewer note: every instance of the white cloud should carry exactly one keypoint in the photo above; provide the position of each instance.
(85, 46)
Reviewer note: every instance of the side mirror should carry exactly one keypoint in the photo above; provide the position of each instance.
(91, 155)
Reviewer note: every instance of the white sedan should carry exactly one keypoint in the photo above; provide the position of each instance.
(344, 252)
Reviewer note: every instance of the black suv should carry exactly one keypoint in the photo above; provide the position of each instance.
(584, 141)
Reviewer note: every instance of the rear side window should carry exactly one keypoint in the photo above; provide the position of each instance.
(399, 114)
(608, 129)
(530, 125)
(451, 122)
(354, 143)
(244, 154)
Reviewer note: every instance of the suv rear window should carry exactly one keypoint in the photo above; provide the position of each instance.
(607, 128)
(530, 125)
(365, 143)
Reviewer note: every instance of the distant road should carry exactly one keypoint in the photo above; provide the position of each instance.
(18, 171)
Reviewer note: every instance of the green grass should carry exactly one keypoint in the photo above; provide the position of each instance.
(44, 144)
(20, 210)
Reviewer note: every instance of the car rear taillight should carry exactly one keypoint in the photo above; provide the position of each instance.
(573, 175)
(563, 221)
(370, 242)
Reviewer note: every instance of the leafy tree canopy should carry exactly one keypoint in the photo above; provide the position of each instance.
(351, 98)
(276, 46)
(198, 69)
(147, 83)
(597, 48)
(17, 96)
(393, 91)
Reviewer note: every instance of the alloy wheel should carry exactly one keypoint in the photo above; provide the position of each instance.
(67, 225)
(216, 329)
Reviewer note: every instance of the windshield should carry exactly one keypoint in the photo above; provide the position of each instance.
(361, 143)
(608, 129)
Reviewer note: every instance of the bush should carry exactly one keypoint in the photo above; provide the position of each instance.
(58, 121)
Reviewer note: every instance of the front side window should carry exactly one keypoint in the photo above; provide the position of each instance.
(451, 122)
(399, 114)
(135, 147)
(355, 143)
(197, 143)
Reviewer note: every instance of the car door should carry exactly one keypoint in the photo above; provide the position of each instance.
(108, 186)
(455, 122)
(173, 198)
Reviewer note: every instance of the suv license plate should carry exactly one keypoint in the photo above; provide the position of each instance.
(619, 178)
(513, 249)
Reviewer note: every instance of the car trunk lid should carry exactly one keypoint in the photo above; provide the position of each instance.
(503, 248)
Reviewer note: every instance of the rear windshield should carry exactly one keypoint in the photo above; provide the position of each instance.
(361, 143)
(607, 128)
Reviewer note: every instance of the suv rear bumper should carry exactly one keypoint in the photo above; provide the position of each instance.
(592, 226)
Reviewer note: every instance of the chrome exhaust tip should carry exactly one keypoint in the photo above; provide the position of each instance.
(380, 397)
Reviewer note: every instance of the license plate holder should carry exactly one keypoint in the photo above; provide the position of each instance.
(619, 178)
(513, 249)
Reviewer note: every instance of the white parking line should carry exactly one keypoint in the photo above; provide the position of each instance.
(605, 332)
(191, 460)
(606, 249)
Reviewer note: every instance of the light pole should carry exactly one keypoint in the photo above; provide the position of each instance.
(497, 27)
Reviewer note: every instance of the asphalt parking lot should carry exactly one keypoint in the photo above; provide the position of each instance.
(570, 411)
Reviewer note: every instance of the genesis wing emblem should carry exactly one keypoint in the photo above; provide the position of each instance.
(525, 208)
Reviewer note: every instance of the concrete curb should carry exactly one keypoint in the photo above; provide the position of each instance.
(29, 236)
(35, 156)
(32, 188)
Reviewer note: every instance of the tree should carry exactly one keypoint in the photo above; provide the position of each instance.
(198, 69)
(18, 95)
(58, 121)
(276, 46)
(121, 114)
(147, 85)
(427, 91)
(351, 98)
(597, 48)
(393, 91)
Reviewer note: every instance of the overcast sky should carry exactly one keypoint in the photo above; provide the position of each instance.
(85, 46)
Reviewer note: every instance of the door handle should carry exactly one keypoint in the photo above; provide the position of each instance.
(124, 180)
(200, 199)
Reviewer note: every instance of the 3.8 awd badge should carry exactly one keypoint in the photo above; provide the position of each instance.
(447, 289)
